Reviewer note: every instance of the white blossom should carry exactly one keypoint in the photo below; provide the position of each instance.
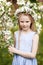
(2, 8)
(21, 2)
(9, 9)
(28, 3)
(9, 13)
(0, 21)
(8, 3)
(5, 16)
(38, 31)
(17, 11)
(3, 0)
(7, 37)
(26, 9)
(39, 17)
(35, 17)
(35, 6)
(39, 26)
(41, 8)
(7, 32)
(9, 24)
(1, 12)
(37, 23)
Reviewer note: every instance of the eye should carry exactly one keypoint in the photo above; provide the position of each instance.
(27, 21)
(22, 21)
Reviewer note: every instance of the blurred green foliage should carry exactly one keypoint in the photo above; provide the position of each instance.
(33, 0)
(40, 50)
(6, 58)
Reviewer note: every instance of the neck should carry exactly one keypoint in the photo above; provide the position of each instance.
(26, 31)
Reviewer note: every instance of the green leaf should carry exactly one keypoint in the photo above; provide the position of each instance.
(33, 1)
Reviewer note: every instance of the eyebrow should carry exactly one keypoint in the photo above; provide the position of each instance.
(25, 21)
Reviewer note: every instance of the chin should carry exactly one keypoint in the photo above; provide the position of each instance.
(25, 29)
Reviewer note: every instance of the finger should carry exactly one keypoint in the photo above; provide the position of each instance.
(9, 48)
(10, 52)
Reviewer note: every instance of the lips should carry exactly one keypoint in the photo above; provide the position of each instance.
(24, 27)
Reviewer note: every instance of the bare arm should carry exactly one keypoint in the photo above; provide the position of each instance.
(28, 54)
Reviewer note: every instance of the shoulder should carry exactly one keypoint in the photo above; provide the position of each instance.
(36, 36)
(16, 32)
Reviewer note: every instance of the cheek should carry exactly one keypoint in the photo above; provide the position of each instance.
(21, 24)
(29, 23)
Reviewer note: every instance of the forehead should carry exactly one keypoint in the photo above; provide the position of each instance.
(24, 17)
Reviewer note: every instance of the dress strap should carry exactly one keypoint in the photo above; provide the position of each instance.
(19, 33)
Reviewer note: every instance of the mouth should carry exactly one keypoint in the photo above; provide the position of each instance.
(24, 27)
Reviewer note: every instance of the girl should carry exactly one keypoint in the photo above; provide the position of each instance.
(26, 41)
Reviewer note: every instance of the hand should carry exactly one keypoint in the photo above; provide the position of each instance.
(12, 49)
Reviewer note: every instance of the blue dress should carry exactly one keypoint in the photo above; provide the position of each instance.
(26, 46)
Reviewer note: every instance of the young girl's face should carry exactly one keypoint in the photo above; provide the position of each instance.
(24, 22)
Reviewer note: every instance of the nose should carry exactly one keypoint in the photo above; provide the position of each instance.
(24, 24)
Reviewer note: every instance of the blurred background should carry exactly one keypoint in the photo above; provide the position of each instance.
(8, 25)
